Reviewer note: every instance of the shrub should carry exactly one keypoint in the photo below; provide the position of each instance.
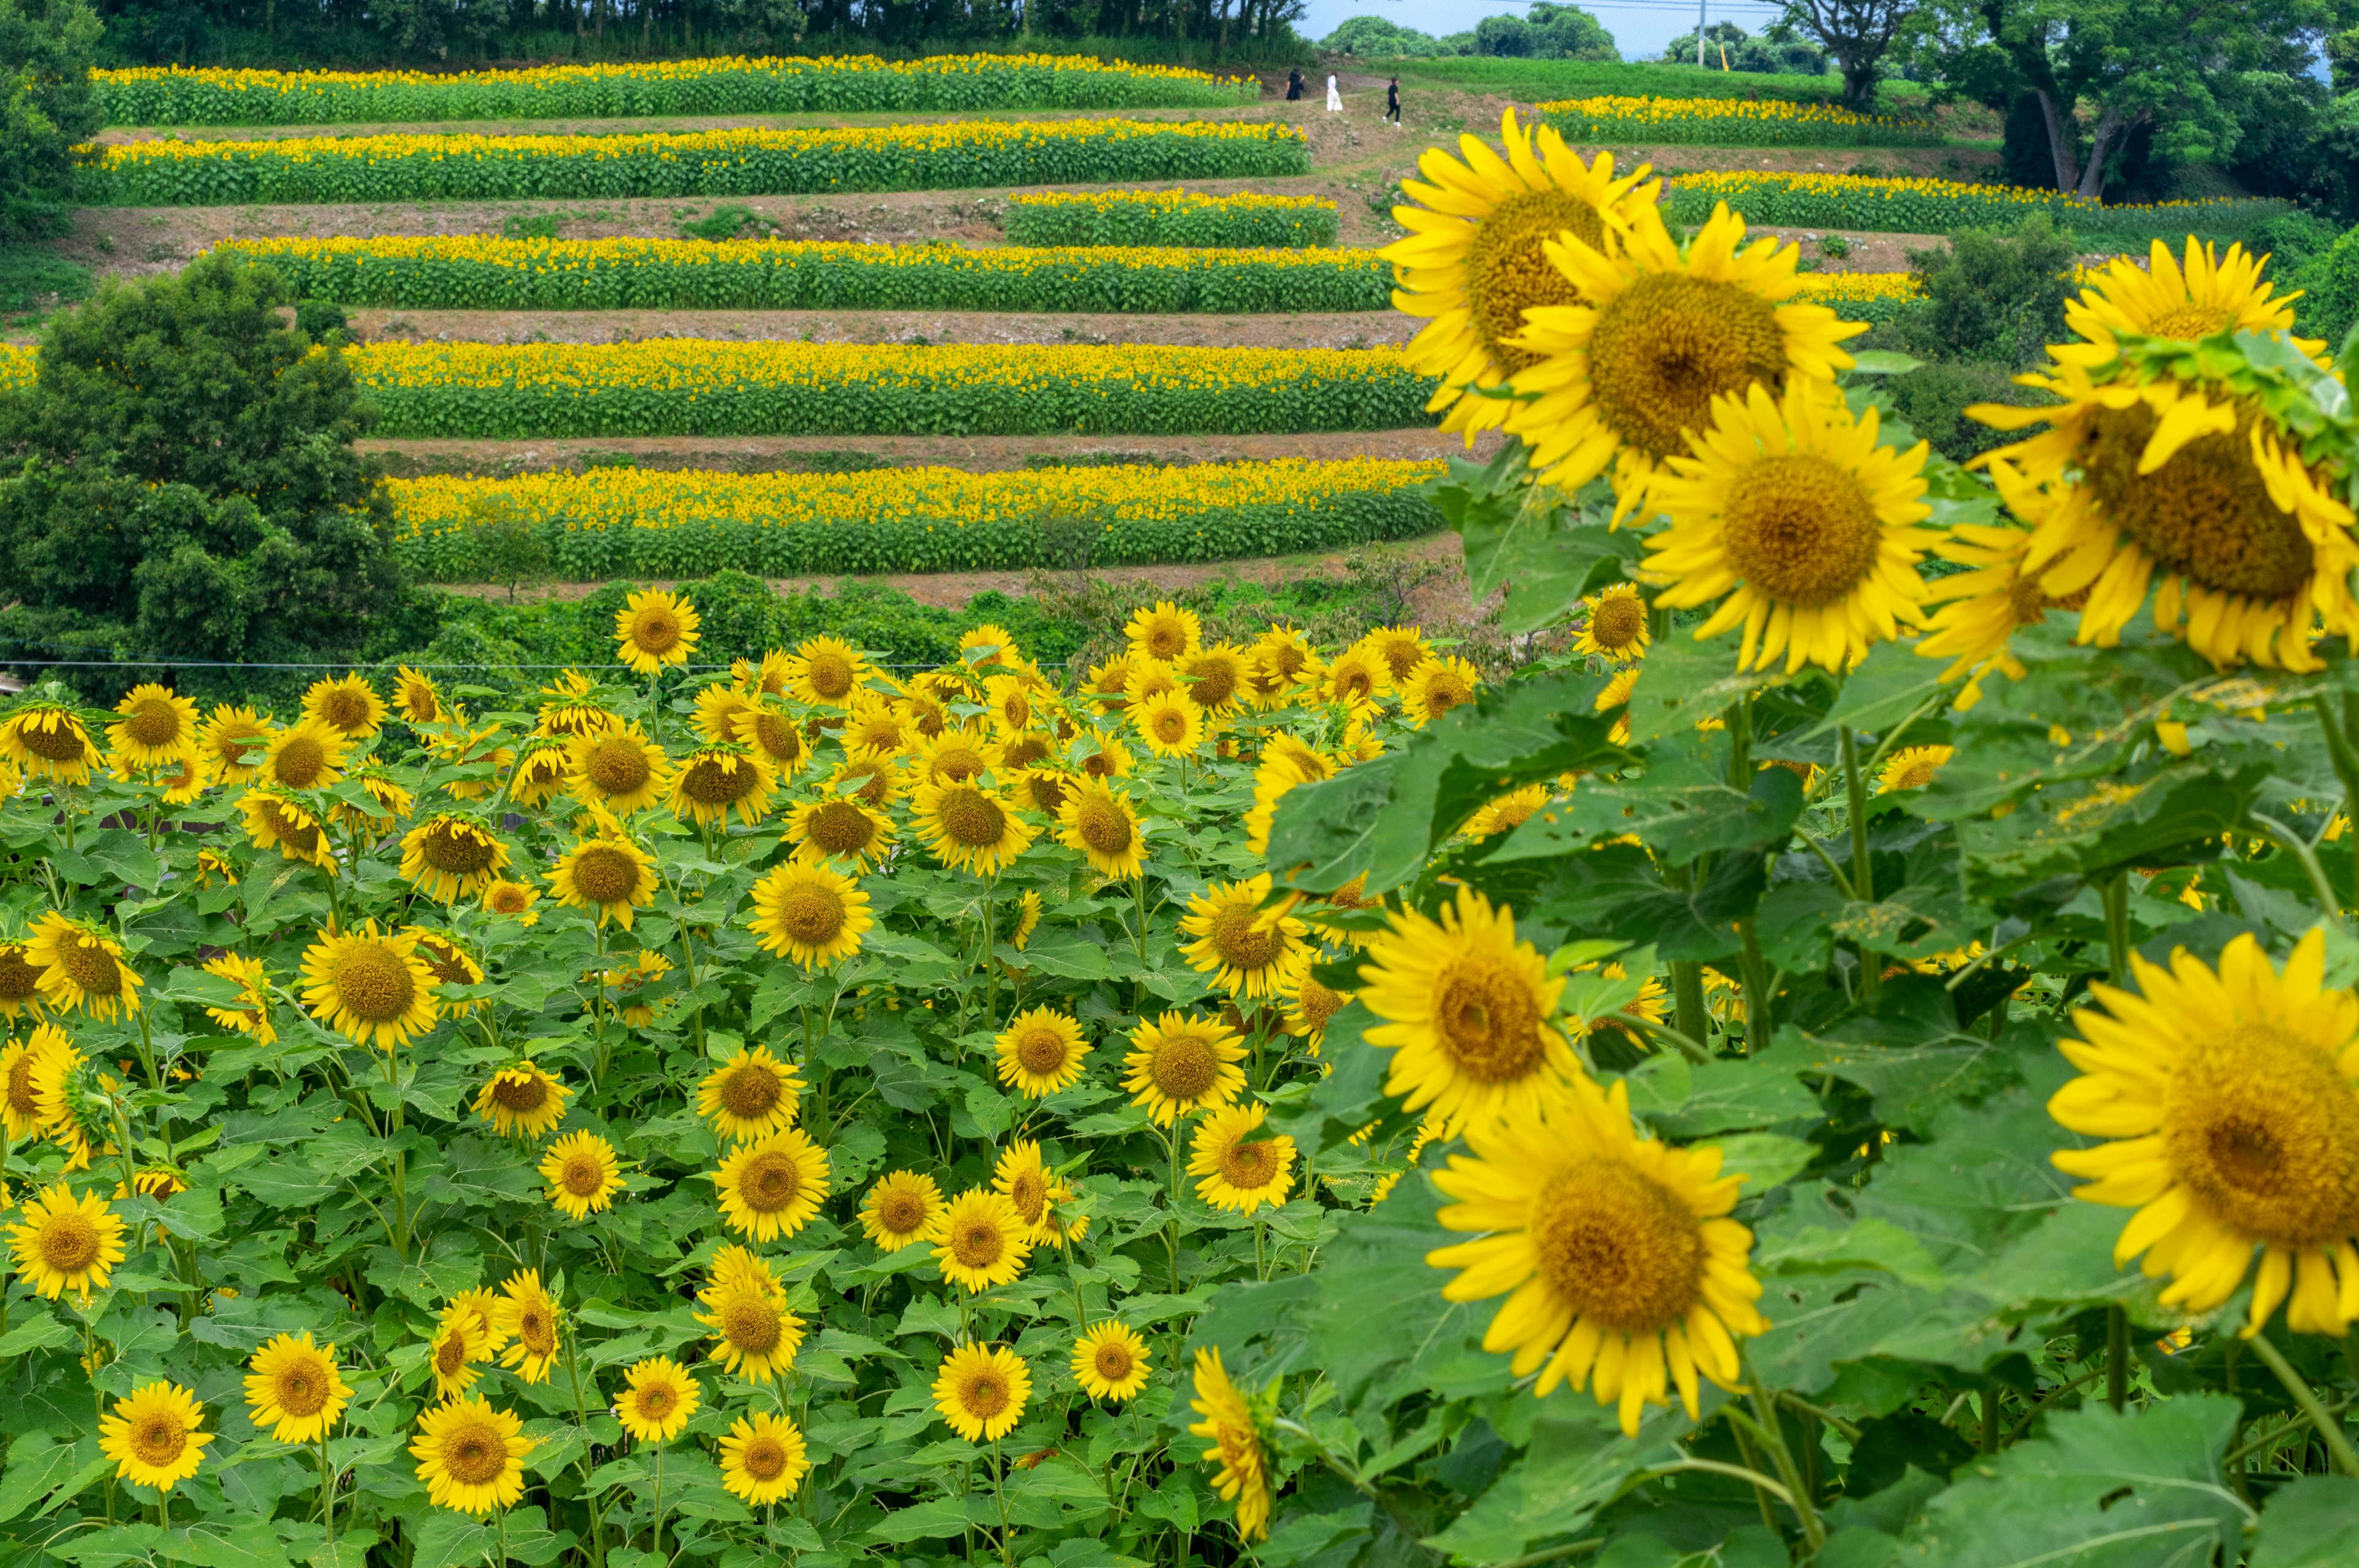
(1997, 299)
(1934, 398)
(2329, 279)
(1916, 206)
(1168, 218)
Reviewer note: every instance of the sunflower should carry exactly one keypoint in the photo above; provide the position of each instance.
(449, 963)
(416, 698)
(471, 1455)
(450, 855)
(768, 678)
(1243, 1473)
(811, 913)
(1164, 632)
(772, 734)
(374, 988)
(1235, 1171)
(610, 875)
(528, 1320)
(64, 1103)
(763, 1458)
(1354, 680)
(151, 1434)
(1617, 1249)
(1101, 823)
(1436, 686)
(773, 1185)
(20, 1108)
(65, 1243)
(1309, 1004)
(982, 1392)
(969, 828)
(1108, 683)
(755, 1337)
(1026, 750)
(980, 1240)
(826, 673)
(1214, 676)
(540, 773)
(923, 716)
(583, 1174)
(1249, 952)
(1808, 528)
(388, 804)
(20, 983)
(618, 769)
(2228, 1098)
(1008, 703)
(1473, 260)
(1171, 725)
(875, 782)
(1401, 648)
(750, 1095)
(877, 725)
(1100, 756)
(570, 710)
(1281, 658)
(954, 756)
(1615, 625)
(1041, 1052)
(49, 741)
(901, 1210)
(654, 629)
(1467, 1013)
(1110, 1362)
(1180, 1064)
(1027, 920)
(839, 830)
(513, 900)
(1024, 1179)
(521, 1099)
(153, 727)
(181, 781)
(2206, 499)
(1624, 376)
(1506, 813)
(233, 742)
(718, 706)
(82, 967)
(483, 1303)
(251, 1013)
(459, 1341)
(1912, 768)
(1983, 606)
(657, 1397)
(305, 755)
(2211, 293)
(347, 705)
(1285, 762)
(275, 819)
(293, 1390)
(1041, 790)
(712, 780)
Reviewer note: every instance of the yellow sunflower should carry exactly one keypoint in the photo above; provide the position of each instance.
(458, 1344)
(1475, 262)
(877, 725)
(1100, 823)
(183, 781)
(1024, 1179)
(416, 697)
(64, 1103)
(1983, 607)
(969, 828)
(714, 780)
(875, 782)
(1309, 1004)
(1027, 920)
(583, 1174)
(62, 1243)
(153, 727)
(1171, 725)
(1618, 1249)
(750, 1095)
(982, 1392)
(451, 856)
(521, 1099)
(481, 1304)
(1623, 377)
(1355, 680)
(513, 900)
(1179, 1065)
(1436, 686)
(347, 705)
(388, 804)
(763, 1458)
(755, 1335)
(526, 1317)
(1250, 952)
(769, 677)
(1215, 676)
(1615, 625)
(2192, 491)
(901, 1210)
(470, 1456)
(825, 672)
(2228, 1101)
(49, 741)
(772, 735)
(773, 1185)
(980, 1242)
(1008, 703)
(1282, 660)
(811, 913)
(274, 819)
(1164, 632)
(611, 876)
(305, 755)
(618, 769)
(1468, 1012)
(1041, 1052)
(1108, 683)
(657, 1397)
(718, 707)
(251, 1015)
(20, 983)
(1242, 1472)
(450, 964)
(151, 1434)
(1100, 756)
(82, 967)
(1110, 1361)
(1237, 1172)
(233, 742)
(954, 756)
(293, 1390)
(373, 987)
(20, 1108)
(2210, 295)
(1285, 762)
(654, 629)
(1912, 767)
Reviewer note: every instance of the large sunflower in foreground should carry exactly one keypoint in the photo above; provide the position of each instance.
(1623, 377)
(657, 1397)
(522, 1098)
(151, 1434)
(48, 740)
(1235, 1171)
(2230, 1100)
(1041, 1052)
(809, 913)
(526, 1315)
(1801, 527)
(372, 987)
(1242, 1468)
(654, 629)
(471, 1455)
(2208, 295)
(1469, 1012)
(1475, 261)
(83, 968)
(618, 769)
(152, 726)
(293, 1390)
(772, 1187)
(1101, 823)
(826, 671)
(969, 828)
(2188, 489)
(1622, 1263)
(584, 1174)
(305, 755)
(901, 1209)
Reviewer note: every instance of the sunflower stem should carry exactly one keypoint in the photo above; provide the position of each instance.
(502, 1515)
(2117, 896)
(999, 1499)
(2330, 1429)
(1772, 1433)
(2117, 1357)
(1862, 873)
(656, 1547)
(581, 1416)
(1171, 1210)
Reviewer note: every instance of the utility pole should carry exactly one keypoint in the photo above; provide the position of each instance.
(1699, 5)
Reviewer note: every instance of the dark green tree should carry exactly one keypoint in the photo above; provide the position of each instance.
(46, 49)
(181, 481)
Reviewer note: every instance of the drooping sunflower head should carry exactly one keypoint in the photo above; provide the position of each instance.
(980, 1240)
(571, 710)
(83, 968)
(956, 756)
(1799, 525)
(49, 741)
(62, 1243)
(450, 855)
(1615, 627)
(657, 1397)
(771, 1186)
(714, 780)
(153, 727)
(809, 912)
(1621, 380)
(763, 1458)
(469, 1455)
(151, 1434)
(1041, 1052)
(2208, 295)
(583, 1174)
(416, 697)
(292, 1389)
(1164, 632)
(1241, 1468)
(901, 1210)
(769, 677)
(1235, 1170)
(1310, 1003)
(1171, 725)
(372, 986)
(718, 706)
(347, 705)
(750, 1095)
(527, 1317)
(1101, 756)
(654, 629)
(1023, 1177)
(971, 827)
(877, 725)
(1110, 1361)
(275, 819)
(20, 1107)
(1179, 1065)
(1249, 951)
(1475, 259)
(826, 673)
(610, 876)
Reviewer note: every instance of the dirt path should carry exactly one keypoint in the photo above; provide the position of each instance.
(1343, 329)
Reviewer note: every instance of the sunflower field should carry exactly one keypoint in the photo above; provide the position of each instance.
(1916, 205)
(1731, 123)
(1168, 218)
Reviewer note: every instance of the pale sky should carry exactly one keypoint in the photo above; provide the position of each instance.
(1641, 26)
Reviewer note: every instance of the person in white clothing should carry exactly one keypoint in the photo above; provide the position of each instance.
(1334, 95)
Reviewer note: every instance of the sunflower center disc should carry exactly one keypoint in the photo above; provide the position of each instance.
(19, 980)
(450, 847)
(1615, 623)
(978, 1244)
(1113, 1361)
(655, 631)
(973, 817)
(986, 1396)
(1488, 1022)
(777, 737)
(160, 1438)
(830, 674)
(1103, 825)
(300, 1393)
(89, 964)
(811, 913)
(2264, 1132)
(605, 876)
(956, 764)
(1171, 726)
(1216, 681)
(714, 782)
(374, 983)
(346, 710)
(752, 1324)
(1041, 1052)
(24, 1107)
(1029, 1195)
(1244, 941)
(655, 1402)
(300, 762)
(1669, 345)
(1166, 639)
(765, 1459)
(69, 1242)
(750, 1092)
(1024, 752)
(2189, 321)
(537, 1329)
(294, 831)
(617, 766)
(1800, 529)
(1183, 1068)
(1507, 272)
(1916, 775)
(61, 744)
(1249, 1166)
(1317, 1004)
(451, 1356)
(1620, 1247)
(524, 1094)
(583, 1176)
(475, 1454)
(2205, 512)
(153, 722)
(901, 1212)
(770, 1181)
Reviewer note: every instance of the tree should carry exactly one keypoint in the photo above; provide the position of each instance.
(185, 478)
(1858, 34)
(46, 49)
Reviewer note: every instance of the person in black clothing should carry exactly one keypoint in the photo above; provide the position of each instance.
(1392, 101)
(1294, 85)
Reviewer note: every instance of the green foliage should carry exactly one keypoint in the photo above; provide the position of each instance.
(1777, 52)
(34, 282)
(1938, 207)
(1538, 80)
(1112, 221)
(730, 221)
(49, 114)
(1992, 296)
(1774, 124)
(2330, 282)
(1934, 398)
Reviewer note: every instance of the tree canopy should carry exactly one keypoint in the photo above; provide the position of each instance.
(46, 49)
